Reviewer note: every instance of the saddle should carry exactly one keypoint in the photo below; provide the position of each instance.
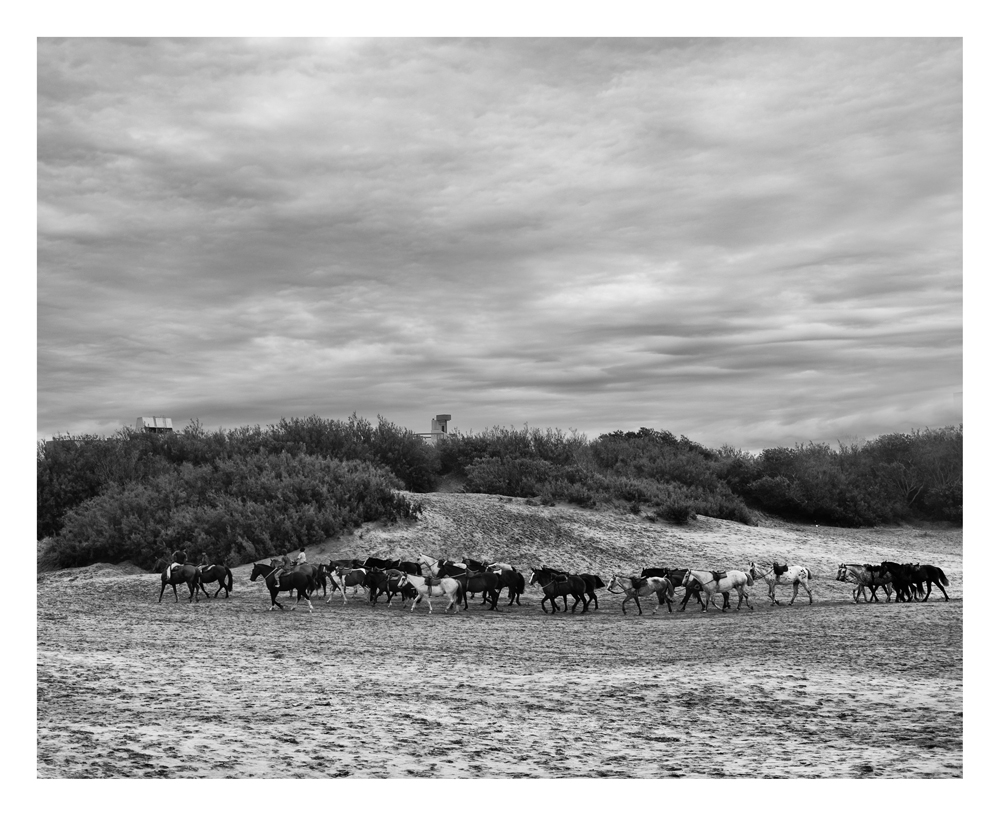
(718, 575)
(432, 581)
(779, 570)
(637, 583)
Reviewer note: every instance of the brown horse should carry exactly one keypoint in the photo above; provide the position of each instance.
(556, 584)
(187, 574)
(300, 582)
(209, 574)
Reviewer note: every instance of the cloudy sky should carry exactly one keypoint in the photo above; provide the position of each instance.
(747, 241)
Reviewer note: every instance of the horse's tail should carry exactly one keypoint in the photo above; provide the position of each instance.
(944, 578)
(229, 580)
(809, 575)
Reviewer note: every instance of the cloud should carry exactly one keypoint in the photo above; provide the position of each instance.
(755, 242)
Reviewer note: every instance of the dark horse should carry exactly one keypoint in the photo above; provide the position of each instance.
(908, 579)
(555, 584)
(209, 574)
(301, 582)
(471, 582)
(514, 582)
(593, 583)
(187, 574)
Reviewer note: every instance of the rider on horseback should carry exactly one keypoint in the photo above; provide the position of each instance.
(286, 564)
(177, 559)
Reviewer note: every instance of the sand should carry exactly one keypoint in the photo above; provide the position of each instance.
(129, 687)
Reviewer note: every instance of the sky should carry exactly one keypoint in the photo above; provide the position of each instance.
(748, 242)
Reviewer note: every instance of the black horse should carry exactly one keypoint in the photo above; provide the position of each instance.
(908, 580)
(472, 582)
(556, 584)
(486, 582)
(513, 581)
(593, 583)
(187, 574)
(300, 582)
(389, 582)
(209, 574)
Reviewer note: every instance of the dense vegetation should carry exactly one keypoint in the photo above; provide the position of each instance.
(251, 492)
(237, 495)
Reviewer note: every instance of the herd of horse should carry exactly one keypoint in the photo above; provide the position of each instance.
(906, 580)
(429, 578)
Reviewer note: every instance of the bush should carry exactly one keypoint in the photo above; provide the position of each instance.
(239, 510)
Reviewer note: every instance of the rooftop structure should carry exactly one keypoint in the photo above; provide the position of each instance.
(439, 428)
(154, 424)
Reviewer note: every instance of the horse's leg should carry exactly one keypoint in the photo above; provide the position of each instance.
(795, 592)
(771, 586)
(163, 586)
(176, 599)
(939, 586)
(637, 604)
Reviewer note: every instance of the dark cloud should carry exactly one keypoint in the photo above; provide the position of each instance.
(755, 242)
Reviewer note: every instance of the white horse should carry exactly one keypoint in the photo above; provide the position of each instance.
(713, 582)
(444, 586)
(635, 587)
(775, 575)
(866, 576)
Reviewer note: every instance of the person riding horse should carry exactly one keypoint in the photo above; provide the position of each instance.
(286, 564)
(177, 559)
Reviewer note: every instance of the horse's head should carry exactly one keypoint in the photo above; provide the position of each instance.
(686, 578)
(842, 572)
(259, 570)
(534, 576)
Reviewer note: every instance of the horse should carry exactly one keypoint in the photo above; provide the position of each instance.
(775, 574)
(475, 565)
(472, 582)
(866, 576)
(712, 582)
(435, 587)
(636, 587)
(295, 580)
(513, 581)
(349, 578)
(554, 584)
(187, 574)
(210, 573)
(675, 576)
(486, 582)
(913, 576)
(391, 582)
(592, 583)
